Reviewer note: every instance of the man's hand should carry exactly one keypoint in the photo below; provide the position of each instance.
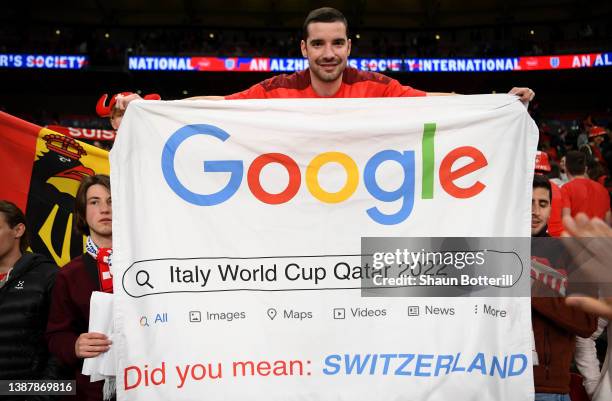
(600, 307)
(584, 227)
(90, 345)
(593, 253)
(124, 101)
(526, 95)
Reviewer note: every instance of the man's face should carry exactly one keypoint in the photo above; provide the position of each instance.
(540, 209)
(116, 117)
(598, 139)
(327, 49)
(9, 237)
(99, 214)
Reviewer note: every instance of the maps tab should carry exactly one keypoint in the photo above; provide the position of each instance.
(446, 267)
(296, 315)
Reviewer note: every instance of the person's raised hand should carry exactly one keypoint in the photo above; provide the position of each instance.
(590, 245)
(123, 101)
(525, 95)
(600, 307)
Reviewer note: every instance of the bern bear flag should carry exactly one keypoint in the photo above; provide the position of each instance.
(41, 172)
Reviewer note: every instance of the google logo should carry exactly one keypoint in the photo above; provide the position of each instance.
(404, 193)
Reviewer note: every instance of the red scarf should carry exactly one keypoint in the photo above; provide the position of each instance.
(104, 273)
(103, 260)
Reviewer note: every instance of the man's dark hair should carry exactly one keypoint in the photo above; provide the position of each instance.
(595, 170)
(575, 162)
(541, 181)
(323, 14)
(80, 202)
(13, 216)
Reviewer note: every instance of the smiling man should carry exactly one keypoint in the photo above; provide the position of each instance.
(326, 45)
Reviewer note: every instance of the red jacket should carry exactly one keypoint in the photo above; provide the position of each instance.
(555, 327)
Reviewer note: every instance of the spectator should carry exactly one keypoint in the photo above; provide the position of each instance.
(597, 172)
(326, 45)
(115, 114)
(26, 281)
(596, 137)
(581, 194)
(555, 325)
(598, 269)
(67, 330)
(563, 171)
(542, 167)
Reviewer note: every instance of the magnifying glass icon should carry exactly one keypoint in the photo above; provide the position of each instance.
(144, 322)
(140, 281)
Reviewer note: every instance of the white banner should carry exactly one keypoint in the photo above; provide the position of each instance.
(237, 234)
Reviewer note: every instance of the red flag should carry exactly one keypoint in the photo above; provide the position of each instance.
(41, 171)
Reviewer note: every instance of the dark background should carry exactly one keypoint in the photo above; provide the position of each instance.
(272, 28)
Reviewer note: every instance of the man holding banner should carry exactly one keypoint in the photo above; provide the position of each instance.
(249, 277)
(246, 264)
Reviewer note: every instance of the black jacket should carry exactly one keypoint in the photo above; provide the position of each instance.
(24, 307)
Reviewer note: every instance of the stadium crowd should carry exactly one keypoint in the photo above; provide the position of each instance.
(109, 47)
